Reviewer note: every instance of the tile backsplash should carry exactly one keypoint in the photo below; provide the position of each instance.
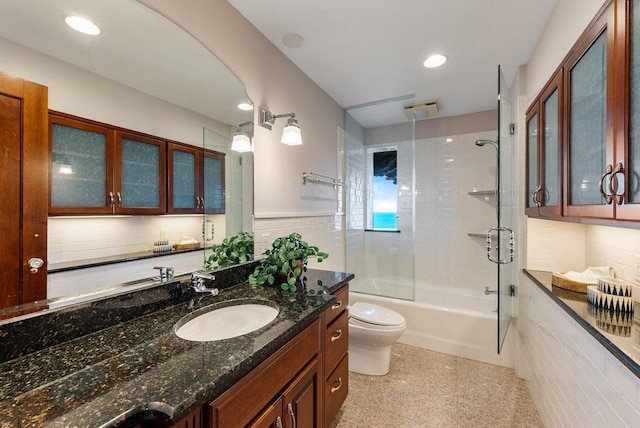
(561, 246)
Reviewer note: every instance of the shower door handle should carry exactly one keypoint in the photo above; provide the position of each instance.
(512, 245)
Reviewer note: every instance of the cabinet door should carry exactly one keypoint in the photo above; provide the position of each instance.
(184, 172)
(214, 182)
(302, 399)
(550, 154)
(140, 180)
(588, 78)
(271, 417)
(24, 182)
(81, 167)
(534, 185)
(628, 124)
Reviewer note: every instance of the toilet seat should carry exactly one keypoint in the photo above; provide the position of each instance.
(370, 315)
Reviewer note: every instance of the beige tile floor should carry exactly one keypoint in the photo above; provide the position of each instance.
(430, 389)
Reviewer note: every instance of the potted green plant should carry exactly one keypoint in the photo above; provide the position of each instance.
(232, 251)
(285, 262)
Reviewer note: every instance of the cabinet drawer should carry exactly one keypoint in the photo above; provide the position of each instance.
(336, 341)
(335, 390)
(342, 300)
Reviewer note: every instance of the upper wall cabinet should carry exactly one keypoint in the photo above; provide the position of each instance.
(589, 77)
(99, 170)
(544, 127)
(595, 95)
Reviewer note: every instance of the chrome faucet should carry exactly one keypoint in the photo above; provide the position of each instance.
(198, 283)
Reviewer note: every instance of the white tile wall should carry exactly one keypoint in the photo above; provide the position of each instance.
(561, 246)
(323, 231)
(574, 381)
(82, 238)
(92, 279)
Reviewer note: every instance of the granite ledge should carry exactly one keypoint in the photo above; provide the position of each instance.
(625, 349)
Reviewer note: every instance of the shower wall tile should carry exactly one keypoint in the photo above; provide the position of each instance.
(446, 170)
(574, 381)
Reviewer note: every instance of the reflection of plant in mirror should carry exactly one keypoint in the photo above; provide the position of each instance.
(232, 251)
(286, 259)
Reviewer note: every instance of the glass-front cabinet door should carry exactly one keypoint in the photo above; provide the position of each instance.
(589, 105)
(534, 186)
(550, 138)
(627, 194)
(140, 179)
(184, 172)
(214, 182)
(81, 168)
(544, 159)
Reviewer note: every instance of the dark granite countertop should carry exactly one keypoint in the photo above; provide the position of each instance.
(138, 364)
(619, 332)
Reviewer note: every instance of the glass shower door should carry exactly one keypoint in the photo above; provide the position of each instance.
(506, 209)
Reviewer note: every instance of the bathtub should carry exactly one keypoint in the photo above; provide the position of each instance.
(455, 321)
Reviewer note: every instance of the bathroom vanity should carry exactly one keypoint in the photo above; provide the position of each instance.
(118, 362)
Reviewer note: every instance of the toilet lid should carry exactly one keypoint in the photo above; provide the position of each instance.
(374, 314)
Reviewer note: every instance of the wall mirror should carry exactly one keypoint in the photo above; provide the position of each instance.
(141, 73)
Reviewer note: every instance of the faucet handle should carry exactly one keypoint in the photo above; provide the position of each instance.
(166, 273)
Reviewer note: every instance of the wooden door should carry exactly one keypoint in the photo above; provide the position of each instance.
(24, 181)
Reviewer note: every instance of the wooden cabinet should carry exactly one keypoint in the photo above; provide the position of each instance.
(196, 180)
(544, 155)
(302, 385)
(589, 94)
(336, 358)
(24, 180)
(598, 132)
(287, 385)
(97, 169)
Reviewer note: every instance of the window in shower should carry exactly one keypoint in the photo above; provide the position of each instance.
(382, 207)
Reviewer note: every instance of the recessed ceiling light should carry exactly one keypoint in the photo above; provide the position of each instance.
(82, 25)
(435, 61)
(292, 40)
(245, 106)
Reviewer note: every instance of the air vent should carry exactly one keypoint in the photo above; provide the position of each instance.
(421, 111)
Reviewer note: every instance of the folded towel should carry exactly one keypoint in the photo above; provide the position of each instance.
(589, 276)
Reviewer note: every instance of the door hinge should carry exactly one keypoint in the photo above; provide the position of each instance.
(512, 129)
(512, 290)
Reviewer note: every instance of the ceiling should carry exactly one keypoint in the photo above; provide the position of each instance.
(137, 48)
(364, 51)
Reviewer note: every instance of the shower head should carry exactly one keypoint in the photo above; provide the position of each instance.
(481, 143)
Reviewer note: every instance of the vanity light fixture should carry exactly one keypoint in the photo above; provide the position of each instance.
(435, 61)
(241, 142)
(291, 134)
(82, 25)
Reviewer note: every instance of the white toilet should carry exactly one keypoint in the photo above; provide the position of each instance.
(372, 331)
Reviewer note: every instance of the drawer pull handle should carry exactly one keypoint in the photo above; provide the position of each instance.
(292, 414)
(335, 388)
(337, 335)
(279, 422)
(337, 304)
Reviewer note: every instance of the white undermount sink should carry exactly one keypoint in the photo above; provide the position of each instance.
(226, 322)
